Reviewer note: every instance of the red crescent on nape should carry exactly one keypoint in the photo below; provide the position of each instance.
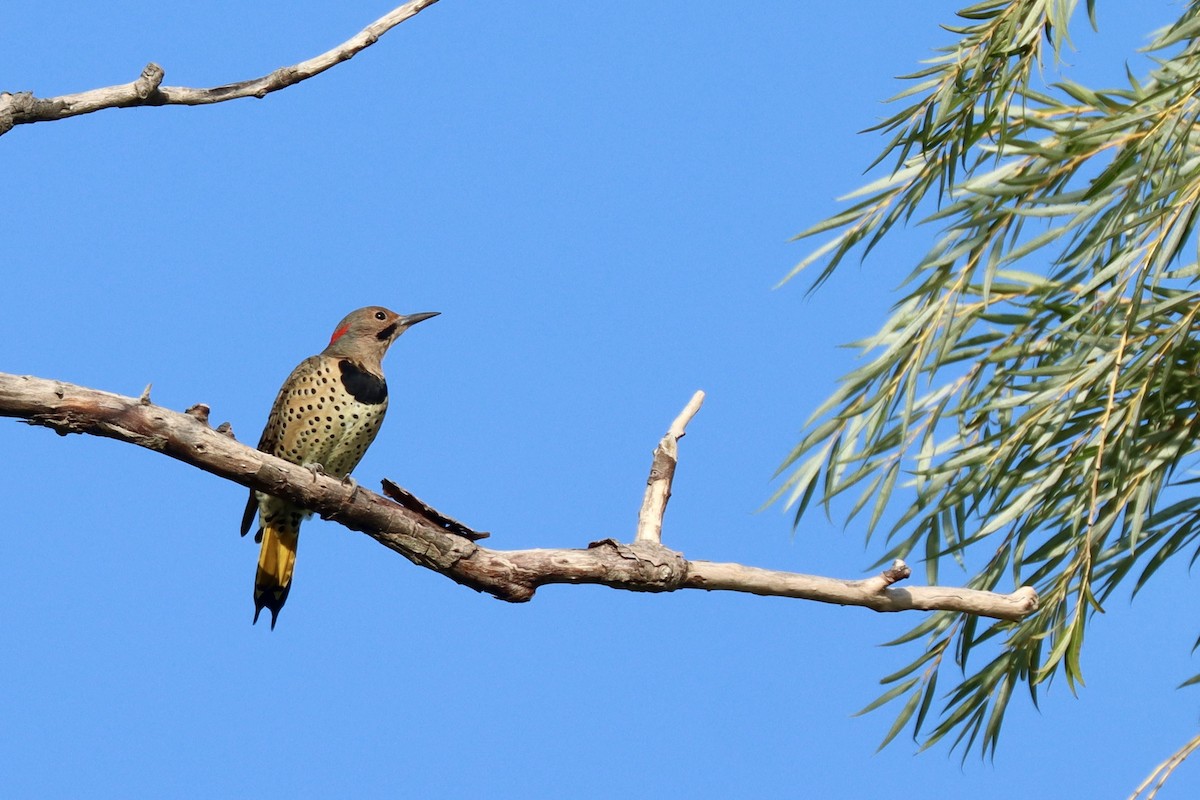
(339, 333)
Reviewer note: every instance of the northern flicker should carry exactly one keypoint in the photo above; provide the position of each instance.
(325, 416)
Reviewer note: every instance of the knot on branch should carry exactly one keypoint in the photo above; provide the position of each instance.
(662, 468)
(61, 423)
(24, 107)
(148, 82)
(641, 566)
(1026, 600)
(898, 571)
(284, 76)
(6, 114)
(199, 412)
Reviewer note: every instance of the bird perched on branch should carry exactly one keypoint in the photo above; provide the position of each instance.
(325, 417)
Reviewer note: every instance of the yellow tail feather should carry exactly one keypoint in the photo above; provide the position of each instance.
(276, 560)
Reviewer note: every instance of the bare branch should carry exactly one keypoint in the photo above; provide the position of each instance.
(23, 108)
(430, 540)
(875, 593)
(1164, 770)
(662, 473)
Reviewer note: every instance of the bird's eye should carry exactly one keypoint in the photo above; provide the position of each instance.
(379, 315)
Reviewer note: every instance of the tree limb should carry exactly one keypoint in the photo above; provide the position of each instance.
(662, 473)
(431, 540)
(23, 108)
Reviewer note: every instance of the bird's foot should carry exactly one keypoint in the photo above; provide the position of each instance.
(353, 484)
(315, 468)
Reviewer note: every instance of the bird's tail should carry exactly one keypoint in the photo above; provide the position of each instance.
(276, 560)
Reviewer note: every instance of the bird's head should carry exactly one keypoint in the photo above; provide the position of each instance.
(365, 335)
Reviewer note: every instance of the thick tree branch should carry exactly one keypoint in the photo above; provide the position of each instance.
(23, 108)
(433, 541)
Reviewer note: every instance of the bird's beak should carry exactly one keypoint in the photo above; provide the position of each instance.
(412, 319)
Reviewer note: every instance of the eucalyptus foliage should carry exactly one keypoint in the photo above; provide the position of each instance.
(1036, 387)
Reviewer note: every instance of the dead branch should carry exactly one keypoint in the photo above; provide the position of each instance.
(662, 474)
(436, 542)
(23, 108)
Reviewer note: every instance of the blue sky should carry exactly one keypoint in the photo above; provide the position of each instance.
(599, 200)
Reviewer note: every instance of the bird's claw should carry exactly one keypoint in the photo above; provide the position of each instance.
(353, 484)
(315, 468)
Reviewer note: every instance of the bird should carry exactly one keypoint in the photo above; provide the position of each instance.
(324, 418)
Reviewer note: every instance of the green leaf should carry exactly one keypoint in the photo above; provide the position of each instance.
(1037, 380)
(888, 696)
(901, 719)
(1192, 681)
